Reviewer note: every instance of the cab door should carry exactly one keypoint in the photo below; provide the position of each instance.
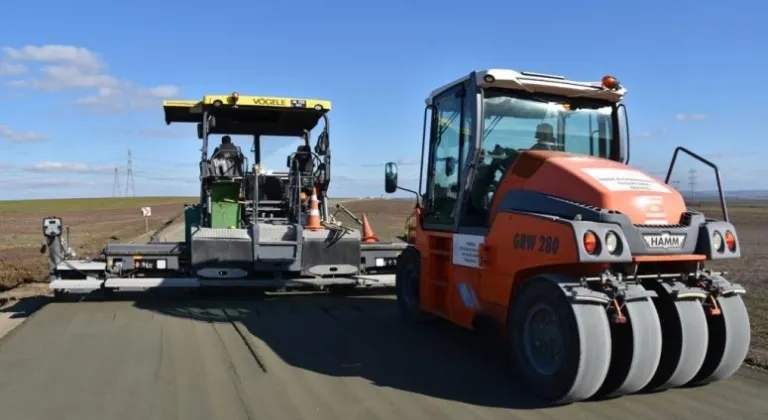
(446, 263)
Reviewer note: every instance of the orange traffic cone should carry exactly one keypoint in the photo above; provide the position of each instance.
(368, 235)
(313, 214)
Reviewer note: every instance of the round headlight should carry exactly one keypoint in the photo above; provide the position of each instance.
(717, 242)
(612, 242)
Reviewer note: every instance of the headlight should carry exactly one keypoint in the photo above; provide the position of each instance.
(717, 242)
(612, 242)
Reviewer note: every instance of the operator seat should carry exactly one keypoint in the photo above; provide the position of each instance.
(303, 159)
(227, 160)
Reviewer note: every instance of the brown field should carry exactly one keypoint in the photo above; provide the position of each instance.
(107, 220)
(94, 222)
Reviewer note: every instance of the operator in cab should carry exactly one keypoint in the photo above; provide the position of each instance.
(227, 158)
(545, 138)
(226, 146)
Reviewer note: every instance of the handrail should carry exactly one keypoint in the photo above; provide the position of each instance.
(703, 160)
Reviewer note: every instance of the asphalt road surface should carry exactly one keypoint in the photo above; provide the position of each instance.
(292, 357)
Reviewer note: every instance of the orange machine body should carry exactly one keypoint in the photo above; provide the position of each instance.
(464, 276)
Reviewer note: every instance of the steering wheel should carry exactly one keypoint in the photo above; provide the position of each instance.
(491, 182)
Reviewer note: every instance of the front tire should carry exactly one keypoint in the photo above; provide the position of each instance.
(562, 349)
(408, 286)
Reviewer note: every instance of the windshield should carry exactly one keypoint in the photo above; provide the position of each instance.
(517, 121)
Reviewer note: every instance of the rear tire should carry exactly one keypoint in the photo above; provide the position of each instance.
(407, 286)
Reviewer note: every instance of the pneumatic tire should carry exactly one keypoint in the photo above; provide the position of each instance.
(561, 348)
(407, 286)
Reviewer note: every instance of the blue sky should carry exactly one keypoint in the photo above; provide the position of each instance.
(81, 82)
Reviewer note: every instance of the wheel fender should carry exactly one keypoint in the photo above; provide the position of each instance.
(570, 286)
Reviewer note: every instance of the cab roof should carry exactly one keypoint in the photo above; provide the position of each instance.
(250, 115)
(536, 82)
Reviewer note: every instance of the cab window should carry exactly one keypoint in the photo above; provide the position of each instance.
(516, 121)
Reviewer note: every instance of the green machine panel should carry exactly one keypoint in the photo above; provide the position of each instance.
(225, 208)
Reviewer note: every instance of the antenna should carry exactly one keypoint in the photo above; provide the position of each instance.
(129, 176)
(116, 184)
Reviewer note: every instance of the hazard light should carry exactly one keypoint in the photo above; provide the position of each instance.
(610, 82)
(590, 242)
(235, 96)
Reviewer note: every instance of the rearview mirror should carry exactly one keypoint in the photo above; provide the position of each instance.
(200, 131)
(390, 177)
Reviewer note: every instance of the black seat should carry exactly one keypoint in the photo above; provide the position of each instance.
(303, 159)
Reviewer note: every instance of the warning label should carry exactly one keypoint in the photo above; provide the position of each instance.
(466, 250)
(625, 180)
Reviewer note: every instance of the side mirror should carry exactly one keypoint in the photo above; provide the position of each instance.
(200, 131)
(390, 177)
(450, 166)
(288, 161)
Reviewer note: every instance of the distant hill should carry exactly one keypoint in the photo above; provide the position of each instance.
(748, 197)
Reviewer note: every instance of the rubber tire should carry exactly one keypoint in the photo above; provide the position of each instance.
(636, 350)
(729, 338)
(408, 270)
(586, 344)
(684, 339)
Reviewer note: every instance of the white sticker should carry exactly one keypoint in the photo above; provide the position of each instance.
(653, 209)
(466, 250)
(625, 180)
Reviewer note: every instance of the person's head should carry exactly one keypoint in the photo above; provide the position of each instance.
(545, 133)
(226, 140)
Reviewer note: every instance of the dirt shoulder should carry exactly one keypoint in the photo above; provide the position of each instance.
(92, 222)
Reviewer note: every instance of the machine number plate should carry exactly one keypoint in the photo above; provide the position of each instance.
(541, 243)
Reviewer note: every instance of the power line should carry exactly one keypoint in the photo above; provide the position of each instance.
(692, 179)
(129, 184)
(116, 184)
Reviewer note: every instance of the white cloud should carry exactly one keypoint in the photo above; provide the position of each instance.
(10, 69)
(690, 117)
(648, 134)
(65, 167)
(76, 56)
(14, 136)
(66, 67)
